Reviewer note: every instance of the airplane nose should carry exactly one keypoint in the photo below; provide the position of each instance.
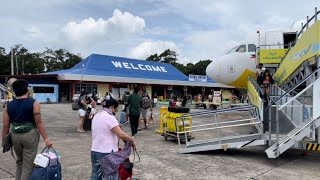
(213, 71)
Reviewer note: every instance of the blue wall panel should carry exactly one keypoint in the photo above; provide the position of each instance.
(42, 97)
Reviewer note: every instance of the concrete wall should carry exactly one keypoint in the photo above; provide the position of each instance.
(102, 89)
(149, 90)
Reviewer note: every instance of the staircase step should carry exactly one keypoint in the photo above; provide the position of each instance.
(224, 143)
(288, 141)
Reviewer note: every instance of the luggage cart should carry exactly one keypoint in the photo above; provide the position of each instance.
(173, 126)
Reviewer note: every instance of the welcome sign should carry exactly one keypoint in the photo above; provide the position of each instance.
(138, 66)
(197, 78)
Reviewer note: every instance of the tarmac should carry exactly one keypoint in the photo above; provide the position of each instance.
(160, 159)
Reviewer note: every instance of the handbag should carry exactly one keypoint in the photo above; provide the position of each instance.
(126, 168)
(51, 172)
(110, 163)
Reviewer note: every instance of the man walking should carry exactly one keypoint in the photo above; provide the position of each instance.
(146, 103)
(134, 102)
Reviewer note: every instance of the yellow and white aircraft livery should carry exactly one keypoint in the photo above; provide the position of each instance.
(234, 68)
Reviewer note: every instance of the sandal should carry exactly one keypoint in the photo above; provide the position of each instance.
(81, 131)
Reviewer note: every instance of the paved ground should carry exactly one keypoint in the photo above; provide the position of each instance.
(160, 159)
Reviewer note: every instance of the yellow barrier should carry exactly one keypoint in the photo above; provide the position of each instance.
(163, 112)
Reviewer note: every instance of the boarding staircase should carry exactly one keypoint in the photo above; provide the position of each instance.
(294, 99)
(292, 114)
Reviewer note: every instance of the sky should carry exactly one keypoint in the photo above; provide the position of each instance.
(195, 29)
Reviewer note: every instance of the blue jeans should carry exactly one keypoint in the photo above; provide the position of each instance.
(95, 156)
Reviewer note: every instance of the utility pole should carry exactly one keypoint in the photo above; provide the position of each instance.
(12, 67)
(17, 66)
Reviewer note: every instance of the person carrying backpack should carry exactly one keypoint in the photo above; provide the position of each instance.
(145, 104)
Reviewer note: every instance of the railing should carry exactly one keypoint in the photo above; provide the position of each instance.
(278, 46)
(300, 113)
(217, 125)
(305, 26)
(296, 86)
(256, 86)
(291, 111)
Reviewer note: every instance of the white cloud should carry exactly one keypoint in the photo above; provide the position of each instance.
(148, 48)
(118, 27)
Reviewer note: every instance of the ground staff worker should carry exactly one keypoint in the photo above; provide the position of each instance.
(23, 114)
(134, 101)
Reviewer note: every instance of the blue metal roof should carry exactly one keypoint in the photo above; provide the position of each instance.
(104, 65)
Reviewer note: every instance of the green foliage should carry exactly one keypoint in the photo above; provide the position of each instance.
(38, 62)
(169, 56)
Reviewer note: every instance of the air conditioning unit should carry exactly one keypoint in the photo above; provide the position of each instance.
(169, 88)
(203, 89)
(185, 88)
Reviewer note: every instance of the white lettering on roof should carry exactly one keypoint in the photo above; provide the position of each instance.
(142, 67)
(133, 66)
(163, 69)
(148, 68)
(126, 65)
(117, 64)
(157, 68)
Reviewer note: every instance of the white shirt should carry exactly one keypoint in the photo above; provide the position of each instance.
(103, 139)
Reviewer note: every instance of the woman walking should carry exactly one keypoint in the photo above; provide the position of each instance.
(106, 133)
(23, 114)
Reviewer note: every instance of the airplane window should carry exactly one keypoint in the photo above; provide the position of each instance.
(233, 50)
(251, 48)
(241, 48)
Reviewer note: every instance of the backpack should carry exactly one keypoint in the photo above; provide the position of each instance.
(75, 105)
(145, 102)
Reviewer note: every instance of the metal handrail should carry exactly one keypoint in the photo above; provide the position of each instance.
(217, 123)
(255, 85)
(304, 126)
(217, 111)
(228, 122)
(293, 88)
(220, 127)
(295, 97)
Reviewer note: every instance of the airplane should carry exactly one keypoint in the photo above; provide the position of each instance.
(234, 68)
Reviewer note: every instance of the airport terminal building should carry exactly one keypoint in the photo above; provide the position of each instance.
(100, 73)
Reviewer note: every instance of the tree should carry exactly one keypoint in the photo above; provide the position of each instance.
(154, 57)
(71, 60)
(59, 59)
(168, 56)
(201, 66)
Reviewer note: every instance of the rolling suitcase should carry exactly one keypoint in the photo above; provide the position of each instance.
(87, 121)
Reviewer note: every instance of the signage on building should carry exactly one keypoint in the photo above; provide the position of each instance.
(197, 78)
(135, 66)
